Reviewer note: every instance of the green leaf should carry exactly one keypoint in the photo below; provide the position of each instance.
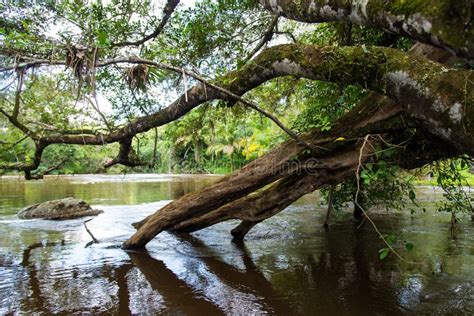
(102, 38)
(409, 246)
(383, 253)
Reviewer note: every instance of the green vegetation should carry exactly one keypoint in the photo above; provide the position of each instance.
(466, 174)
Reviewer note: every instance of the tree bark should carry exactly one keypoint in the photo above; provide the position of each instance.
(443, 23)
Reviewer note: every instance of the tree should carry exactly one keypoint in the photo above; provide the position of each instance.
(416, 107)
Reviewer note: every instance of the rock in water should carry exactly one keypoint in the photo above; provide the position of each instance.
(67, 208)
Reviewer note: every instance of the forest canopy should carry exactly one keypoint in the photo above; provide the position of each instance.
(354, 97)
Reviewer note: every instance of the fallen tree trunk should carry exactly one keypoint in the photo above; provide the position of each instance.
(259, 173)
(230, 197)
(259, 206)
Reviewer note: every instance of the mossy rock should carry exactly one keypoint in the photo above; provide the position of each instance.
(67, 208)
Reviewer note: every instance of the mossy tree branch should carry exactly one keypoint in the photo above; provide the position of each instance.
(443, 23)
(440, 98)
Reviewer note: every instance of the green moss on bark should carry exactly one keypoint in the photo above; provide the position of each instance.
(443, 23)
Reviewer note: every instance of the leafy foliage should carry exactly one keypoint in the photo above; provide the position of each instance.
(454, 184)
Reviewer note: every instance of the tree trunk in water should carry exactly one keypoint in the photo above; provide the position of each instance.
(230, 197)
(233, 196)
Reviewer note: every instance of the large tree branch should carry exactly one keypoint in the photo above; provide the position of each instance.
(263, 204)
(201, 209)
(257, 207)
(27, 166)
(15, 122)
(375, 114)
(272, 167)
(440, 98)
(40, 175)
(126, 156)
(227, 198)
(252, 209)
(443, 23)
(443, 94)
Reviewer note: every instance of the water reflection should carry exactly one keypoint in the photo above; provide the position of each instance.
(98, 189)
(289, 264)
(248, 285)
(177, 294)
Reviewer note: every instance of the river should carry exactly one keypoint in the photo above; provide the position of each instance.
(289, 264)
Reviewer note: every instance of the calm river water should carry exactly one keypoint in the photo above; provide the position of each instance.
(289, 264)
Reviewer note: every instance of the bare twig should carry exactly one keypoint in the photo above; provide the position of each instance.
(366, 140)
(32, 63)
(167, 11)
(8, 85)
(267, 36)
(95, 106)
(13, 144)
(37, 176)
(94, 240)
(289, 34)
(14, 121)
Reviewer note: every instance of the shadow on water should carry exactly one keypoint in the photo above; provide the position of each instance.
(36, 299)
(249, 280)
(247, 287)
(39, 292)
(178, 295)
(51, 275)
(341, 275)
(346, 276)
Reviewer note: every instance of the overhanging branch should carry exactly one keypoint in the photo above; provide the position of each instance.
(440, 98)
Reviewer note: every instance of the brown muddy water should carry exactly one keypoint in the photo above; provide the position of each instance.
(289, 265)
